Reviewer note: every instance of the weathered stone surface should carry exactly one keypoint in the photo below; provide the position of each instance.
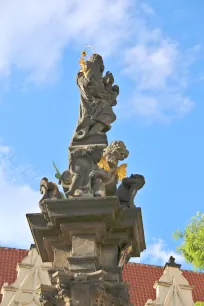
(85, 289)
(108, 257)
(84, 245)
(68, 217)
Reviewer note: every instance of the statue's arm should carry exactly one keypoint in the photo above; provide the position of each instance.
(100, 173)
(127, 181)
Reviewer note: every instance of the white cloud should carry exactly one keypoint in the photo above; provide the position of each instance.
(160, 70)
(16, 199)
(161, 73)
(33, 34)
(158, 253)
(4, 149)
(146, 8)
(153, 64)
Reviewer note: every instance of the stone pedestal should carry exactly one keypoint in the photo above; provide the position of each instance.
(83, 238)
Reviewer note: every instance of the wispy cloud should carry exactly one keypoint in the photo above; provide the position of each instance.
(16, 199)
(161, 72)
(34, 35)
(4, 149)
(157, 253)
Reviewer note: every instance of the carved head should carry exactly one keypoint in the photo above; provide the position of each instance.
(138, 179)
(44, 179)
(96, 58)
(65, 179)
(116, 151)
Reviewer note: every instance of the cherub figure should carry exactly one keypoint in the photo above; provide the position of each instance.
(107, 173)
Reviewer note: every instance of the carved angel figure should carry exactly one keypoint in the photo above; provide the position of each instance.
(107, 173)
(97, 97)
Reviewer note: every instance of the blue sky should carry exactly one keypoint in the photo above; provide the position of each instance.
(155, 50)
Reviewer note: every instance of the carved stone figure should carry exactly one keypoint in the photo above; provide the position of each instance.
(49, 190)
(82, 161)
(76, 180)
(97, 97)
(128, 189)
(107, 173)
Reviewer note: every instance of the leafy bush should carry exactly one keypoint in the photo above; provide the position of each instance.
(192, 247)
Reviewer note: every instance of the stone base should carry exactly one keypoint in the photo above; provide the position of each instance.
(85, 289)
(86, 227)
(85, 238)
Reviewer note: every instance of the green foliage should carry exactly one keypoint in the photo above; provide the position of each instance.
(199, 304)
(192, 247)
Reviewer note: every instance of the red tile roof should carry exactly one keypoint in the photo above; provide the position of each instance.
(8, 261)
(140, 276)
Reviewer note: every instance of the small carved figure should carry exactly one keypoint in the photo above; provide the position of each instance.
(49, 190)
(107, 173)
(128, 189)
(171, 260)
(65, 179)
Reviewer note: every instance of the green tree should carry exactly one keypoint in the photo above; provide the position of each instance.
(199, 304)
(192, 246)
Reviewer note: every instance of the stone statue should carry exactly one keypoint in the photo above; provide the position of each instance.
(128, 189)
(97, 98)
(107, 173)
(78, 234)
(49, 190)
